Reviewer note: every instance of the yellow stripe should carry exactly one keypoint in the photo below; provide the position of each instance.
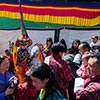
(63, 20)
(53, 19)
(52, 7)
(10, 14)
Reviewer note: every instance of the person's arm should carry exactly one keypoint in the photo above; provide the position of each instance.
(67, 73)
(77, 59)
(91, 92)
(9, 91)
(6, 93)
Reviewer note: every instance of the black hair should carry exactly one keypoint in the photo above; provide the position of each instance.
(42, 71)
(7, 52)
(49, 39)
(57, 47)
(78, 41)
(70, 51)
(96, 55)
(2, 57)
(86, 45)
(64, 43)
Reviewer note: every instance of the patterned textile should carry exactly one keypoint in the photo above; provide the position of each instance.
(83, 72)
(26, 91)
(91, 90)
(62, 72)
(22, 64)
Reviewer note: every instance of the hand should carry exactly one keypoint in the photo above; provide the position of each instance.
(46, 49)
(9, 91)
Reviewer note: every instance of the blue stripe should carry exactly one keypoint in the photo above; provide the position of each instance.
(52, 3)
(49, 2)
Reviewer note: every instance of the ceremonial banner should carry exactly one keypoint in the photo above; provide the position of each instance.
(49, 14)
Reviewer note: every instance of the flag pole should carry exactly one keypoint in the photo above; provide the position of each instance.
(22, 19)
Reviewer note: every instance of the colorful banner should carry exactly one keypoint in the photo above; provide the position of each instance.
(49, 15)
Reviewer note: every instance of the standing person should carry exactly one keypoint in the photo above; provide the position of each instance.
(47, 47)
(6, 90)
(22, 56)
(42, 78)
(10, 58)
(91, 90)
(62, 71)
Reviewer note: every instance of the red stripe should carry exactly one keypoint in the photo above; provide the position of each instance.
(9, 8)
(53, 12)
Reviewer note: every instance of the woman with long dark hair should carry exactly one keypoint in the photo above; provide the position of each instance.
(43, 80)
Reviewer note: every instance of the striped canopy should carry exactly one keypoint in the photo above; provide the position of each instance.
(49, 14)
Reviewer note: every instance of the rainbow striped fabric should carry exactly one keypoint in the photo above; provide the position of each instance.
(49, 14)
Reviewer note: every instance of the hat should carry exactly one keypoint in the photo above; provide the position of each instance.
(23, 40)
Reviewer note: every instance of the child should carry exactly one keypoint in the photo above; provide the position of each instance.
(82, 72)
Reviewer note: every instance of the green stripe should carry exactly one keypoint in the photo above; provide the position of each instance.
(9, 23)
(15, 23)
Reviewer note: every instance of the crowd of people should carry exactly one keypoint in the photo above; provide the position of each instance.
(51, 72)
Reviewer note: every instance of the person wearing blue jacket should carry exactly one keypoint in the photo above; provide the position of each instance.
(6, 88)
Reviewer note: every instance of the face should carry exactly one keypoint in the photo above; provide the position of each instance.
(49, 43)
(93, 66)
(39, 84)
(85, 61)
(94, 40)
(23, 46)
(81, 50)
(4, 65)
(61, 54)
(75, 44)
(37, 53)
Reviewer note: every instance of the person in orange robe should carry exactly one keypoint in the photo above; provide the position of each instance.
(21, 56)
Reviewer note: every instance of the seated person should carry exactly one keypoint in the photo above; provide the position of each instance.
(82, 72)
(91, 89)
(43, 80)
(8, 81)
